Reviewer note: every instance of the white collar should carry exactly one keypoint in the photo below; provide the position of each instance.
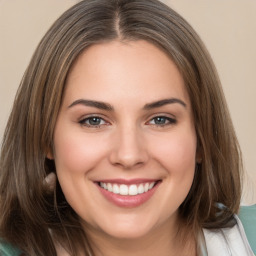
(226, 241)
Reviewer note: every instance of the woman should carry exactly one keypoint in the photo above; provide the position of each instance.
(121, 104)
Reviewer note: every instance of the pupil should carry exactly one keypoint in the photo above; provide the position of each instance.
(160, 120)
(94, 121)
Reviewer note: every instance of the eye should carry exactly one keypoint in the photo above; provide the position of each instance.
(93, 121)
(162, 121)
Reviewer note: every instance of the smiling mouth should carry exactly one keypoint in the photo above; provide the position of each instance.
(131, 190)
(128, 193)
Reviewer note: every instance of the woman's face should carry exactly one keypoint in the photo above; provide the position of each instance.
(124, 141)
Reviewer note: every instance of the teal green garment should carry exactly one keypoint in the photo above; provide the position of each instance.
(247, 215)
(8, 250)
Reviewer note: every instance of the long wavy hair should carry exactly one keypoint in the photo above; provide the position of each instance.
(34, 219)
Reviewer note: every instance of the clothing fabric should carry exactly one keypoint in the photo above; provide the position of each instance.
(240, 240)
(8, 250)
(227, 241)
(247, 215)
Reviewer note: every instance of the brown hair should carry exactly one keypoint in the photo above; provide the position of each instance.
(31, 217)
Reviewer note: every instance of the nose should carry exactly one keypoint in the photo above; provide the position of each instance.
(129, 149)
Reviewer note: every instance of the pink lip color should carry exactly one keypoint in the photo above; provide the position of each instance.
(128, 201)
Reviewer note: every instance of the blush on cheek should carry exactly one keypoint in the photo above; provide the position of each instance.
(180, 152)
(78, 155)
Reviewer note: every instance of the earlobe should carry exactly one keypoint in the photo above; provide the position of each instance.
(199, 156)
(49, 154)
(198, 160)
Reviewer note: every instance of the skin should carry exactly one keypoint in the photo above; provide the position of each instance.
(128, 142)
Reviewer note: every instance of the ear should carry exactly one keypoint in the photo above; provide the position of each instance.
(198, 160)
(199, 155)
(49, 154)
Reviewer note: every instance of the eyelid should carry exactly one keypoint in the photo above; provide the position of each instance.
(83, 119)
(169, 117)
(172, 119)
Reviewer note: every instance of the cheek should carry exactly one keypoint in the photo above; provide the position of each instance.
(177, 152)
(77, 154)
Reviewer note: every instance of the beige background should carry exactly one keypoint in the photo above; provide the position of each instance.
(228, 29)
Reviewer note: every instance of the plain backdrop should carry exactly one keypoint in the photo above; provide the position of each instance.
(228, 28)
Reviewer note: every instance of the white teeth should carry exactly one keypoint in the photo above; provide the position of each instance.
(115, 189)
(133, 190)
(146, 187)
(151, 185)
(109, 187)
(123, 189)
(141, 189)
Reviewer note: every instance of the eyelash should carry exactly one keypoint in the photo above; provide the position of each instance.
(84, 121)
(167, 121)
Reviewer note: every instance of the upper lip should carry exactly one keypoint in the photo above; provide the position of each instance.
(127, 181)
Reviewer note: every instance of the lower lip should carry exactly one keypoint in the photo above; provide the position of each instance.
(128, 201)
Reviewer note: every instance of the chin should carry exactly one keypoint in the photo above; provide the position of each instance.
(125, 228)
(127, 233)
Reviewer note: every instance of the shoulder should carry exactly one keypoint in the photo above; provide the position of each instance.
(247, 215)
(239, 239)
(8, 250)
(227, 241)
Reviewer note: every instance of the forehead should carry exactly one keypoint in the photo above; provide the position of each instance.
(125, 69)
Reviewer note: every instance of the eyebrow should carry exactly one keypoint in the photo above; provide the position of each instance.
(92, 103)
(108, 107)
(160, 103)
